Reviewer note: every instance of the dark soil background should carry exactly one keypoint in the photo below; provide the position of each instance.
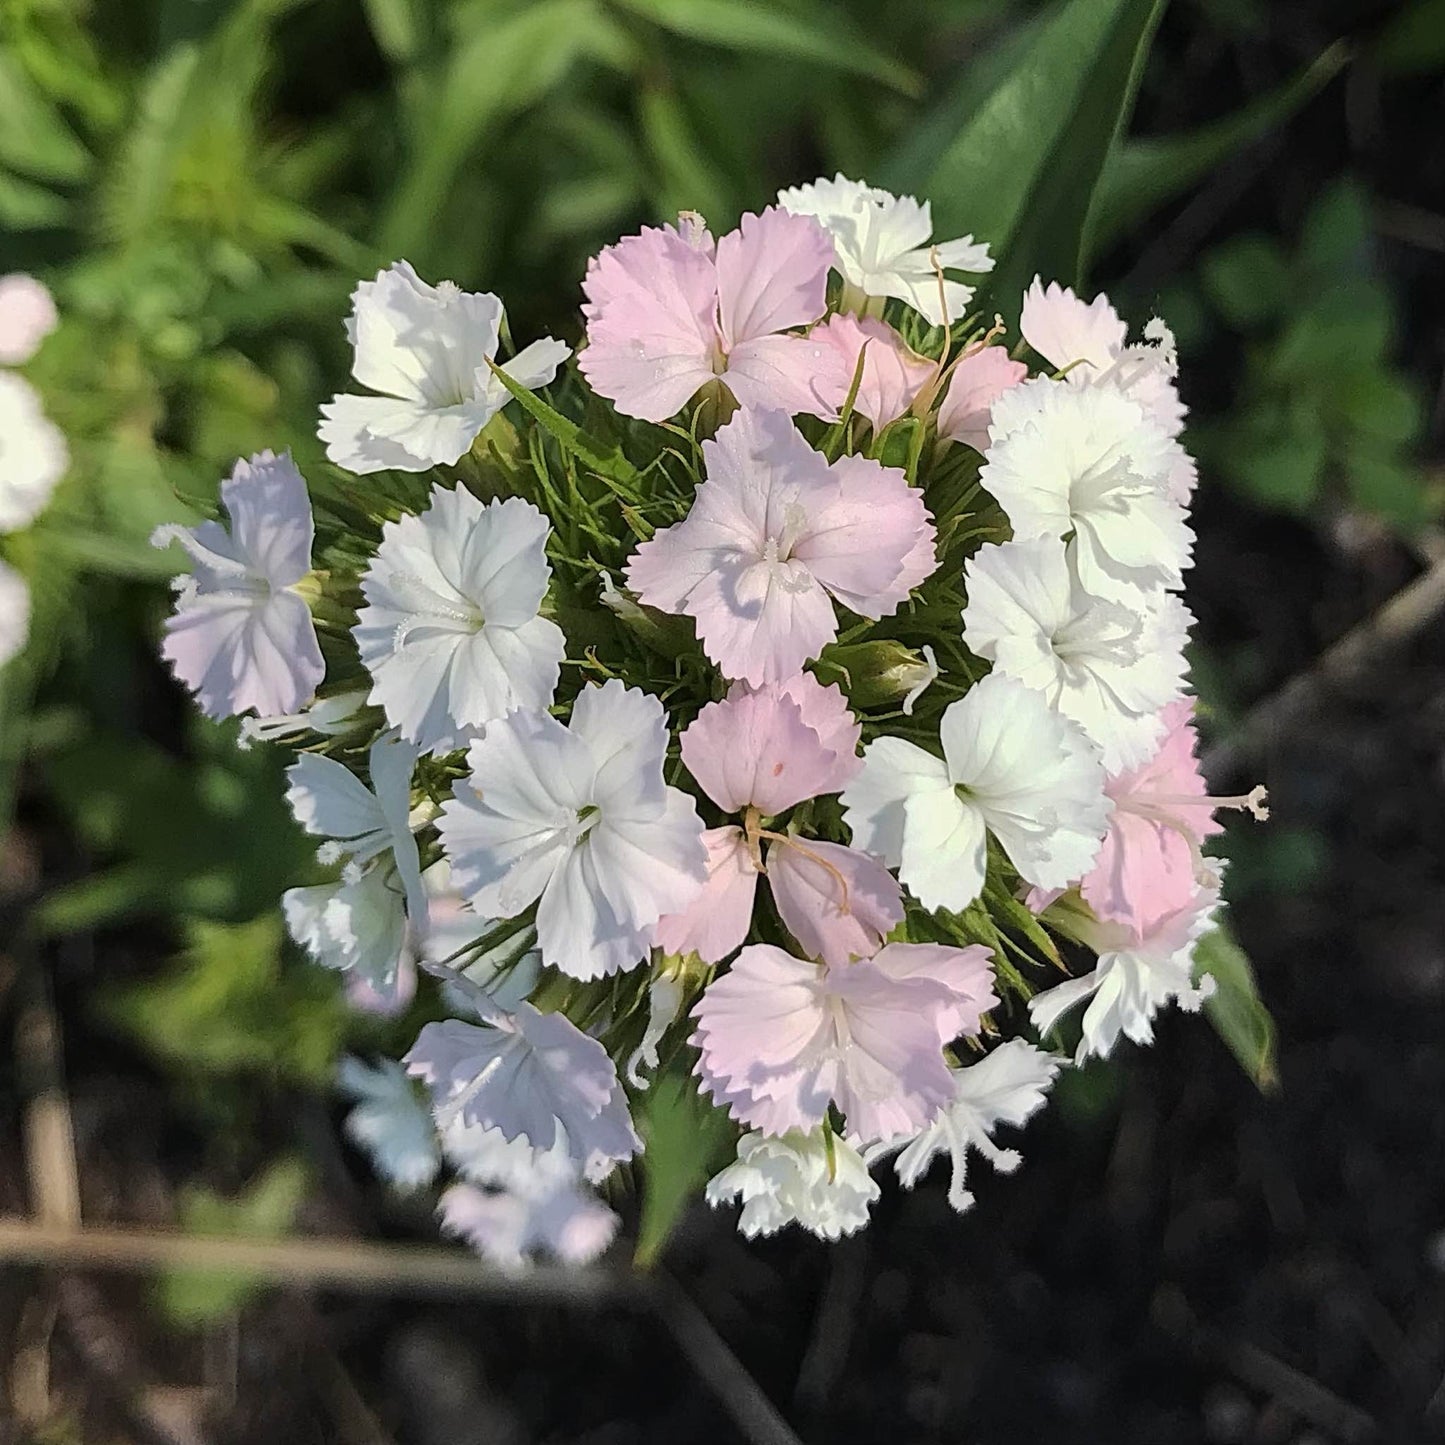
(1182, 1259)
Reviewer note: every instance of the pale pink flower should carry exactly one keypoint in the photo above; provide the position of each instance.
(27, 317)
(966, 972)
(781, 1039)
(775, 534)
(717, 920)
(669, 312)
(837, 902)
(760, 753)
(977, 382)
(757, 749)
(1150, 864)
(892, 374)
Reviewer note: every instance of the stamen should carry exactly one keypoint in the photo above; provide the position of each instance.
(813, 857)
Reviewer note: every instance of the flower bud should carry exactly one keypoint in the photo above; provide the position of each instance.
(671, 636)
(875, 674)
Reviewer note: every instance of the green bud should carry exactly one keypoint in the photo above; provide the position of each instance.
(875, 674)
(662, 632)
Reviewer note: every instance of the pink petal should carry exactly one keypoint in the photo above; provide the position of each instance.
(717, 920)
(789, 373)
(754, 749)
(837, 902)
(772, 275)
(967, 973)
(651, 337)
(977, 382)
(1148, 864)
(825, 710)
(892, 374)
(27, 317)
(1064, 330)
(874, 543)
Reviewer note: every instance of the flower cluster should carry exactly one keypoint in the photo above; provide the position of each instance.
(788, 730)
(33, 454)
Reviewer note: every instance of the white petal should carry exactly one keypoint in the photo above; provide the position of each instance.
(893, 771)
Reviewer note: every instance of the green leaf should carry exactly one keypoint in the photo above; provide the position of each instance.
(1247, 278)
(34, 137)
(27, 206)
(812, 36)
(606, 461)
(1021, 170)
(266, 1210)
(1413, 42)
(495, 69)
(1235, 1009)
(400, 27)
(232, 1006)
(686, 178)
(1142, 175)
(685, 1136)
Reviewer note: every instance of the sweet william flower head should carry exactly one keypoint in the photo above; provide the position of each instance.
(428, 351)
(1108, 666)
(1011, 767)
(1007, 1086)
(885, 247)
(450, 632)
(579, 820)
(669, 312)
(1087, 461)
(775, 534)
(241, 637)
(807, 1179)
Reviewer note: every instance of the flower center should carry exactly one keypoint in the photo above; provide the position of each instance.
(587, 818)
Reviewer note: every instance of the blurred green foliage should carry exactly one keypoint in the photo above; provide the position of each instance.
(1322, 414)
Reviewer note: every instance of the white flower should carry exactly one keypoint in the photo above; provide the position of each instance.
(390, 1122)
(450, 632)
(1089, 339)
(1011, 767)
(1109, 667)
(1006, 1086)
(883, 245)
(27, 317)
(242, 636)
(519, 1200)
(1134, 979)
(1087, 461)
(33, 455)
(580, 818)
(530, 1075)
(796, 1179)
(356, 925)
(363, 823)
(14, 613)
(426, 350)
(328, 717)
(505, 1228)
